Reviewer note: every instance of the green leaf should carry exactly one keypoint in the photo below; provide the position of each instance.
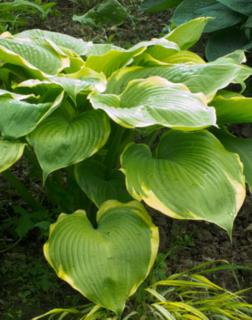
(18, 118)
(153, 6)
(98, 184)
(83, 81)
(109, 265)
(63, 139)
(207, 78)
(107, 58)
(156, 101)
(188, 33)
(64, 41)
(106, 13)
(234, 109)
(189, 9)
(192, 176)
(38, 59)
(220, 43)
(244, 149)
(241, 6)
(10, 152)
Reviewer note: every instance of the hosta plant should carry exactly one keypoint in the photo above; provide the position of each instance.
(113, 129)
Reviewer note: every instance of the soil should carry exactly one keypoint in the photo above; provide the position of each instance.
(29, 287)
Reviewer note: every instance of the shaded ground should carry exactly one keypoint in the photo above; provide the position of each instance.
(29, 287)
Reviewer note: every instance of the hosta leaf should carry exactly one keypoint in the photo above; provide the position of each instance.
(220, 43)
(244, 148)
(106, 13)
(63, 139)
(241, 6)
(64, 41)
(38, 59)
(188, 33)
(106, 264)
(10, 152)
(73, 84)
(189, 9)
(156, 101)
(158, 5)
(108, 58)
(18, 118)
(206, 77)
(234, 109)
(98, 184)
(184, 56)
(192, 177)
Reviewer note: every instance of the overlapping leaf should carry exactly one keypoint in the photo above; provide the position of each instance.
(10, 152)
(192, 176)
(66, 138)
(106, 264)
(156, 101)
(100, 185)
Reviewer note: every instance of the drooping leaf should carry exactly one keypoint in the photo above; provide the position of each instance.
(37, 59)
(73, 84)
(10, 152)
(234, 109)
(19, 118)
(62, 40)
(111, 261)
(220, 43)
(152, 6)
(188, 33)
(184, 56)
(241, 6)
(65, 139)
(98, 184)
(156, 101)
(106, 13)
(207, 78)
(189, 9)
(244, 149)
(192, 176)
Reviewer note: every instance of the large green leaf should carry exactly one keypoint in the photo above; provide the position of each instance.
(156, 101)
(207, 78)
(107, 58)
(83, 81)
(158, 5)
(106, 13)
(189, 9)
(106, 264)
(18, 118)
(234, 109)
(100, 185)
(192, 176)
(64, 41)
(64, 139)
(188, 33)
(220, 43)
(241, 6)
(244, 148)
(38, 59)
(10, 152)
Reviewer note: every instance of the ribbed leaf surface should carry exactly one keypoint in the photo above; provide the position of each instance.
(18, 118)
(62, 140)
(98, 184)
(156, 101)
(106, 264)
(10, 152)
(192, 176)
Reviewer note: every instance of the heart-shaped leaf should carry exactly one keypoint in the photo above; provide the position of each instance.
(10, 152)
(156, 101)
(106, 264)
(64, 139)
(98, 185)
(192, 177)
